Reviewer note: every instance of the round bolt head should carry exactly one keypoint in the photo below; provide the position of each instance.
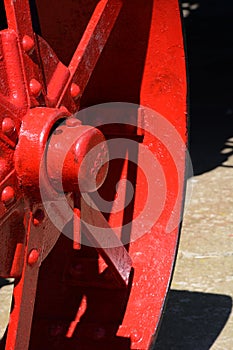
(38, 217)
(28, 44)
(35, 87)
(72, 122)
(8, 195)
(8, 126)
(33, 257)
(75, 91)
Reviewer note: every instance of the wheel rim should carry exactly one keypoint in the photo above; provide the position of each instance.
(140, 63)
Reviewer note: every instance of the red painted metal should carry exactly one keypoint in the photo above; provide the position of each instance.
(8, 195)
(28, 44)
(65, 158)
(8, 126)
(98, 291)
(90, 47)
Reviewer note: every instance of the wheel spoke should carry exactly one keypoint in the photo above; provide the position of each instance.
(19, 17)
(89, 49)
(107, 244)
(8, 105)
(18, 335)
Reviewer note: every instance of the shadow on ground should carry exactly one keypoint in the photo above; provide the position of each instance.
(5, 282)
(192, 320)
(208, 28)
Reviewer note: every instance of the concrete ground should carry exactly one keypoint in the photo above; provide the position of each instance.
(5, 301)
(199, 313)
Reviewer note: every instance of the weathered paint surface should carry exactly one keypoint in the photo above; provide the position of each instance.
(118, 51)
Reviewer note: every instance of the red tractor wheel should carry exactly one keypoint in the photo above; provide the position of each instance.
(93, 154)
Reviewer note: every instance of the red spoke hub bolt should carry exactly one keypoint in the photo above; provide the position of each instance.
(8, 126)
(38, 217)
(35, 87)
(33, 257)
(28, 44)
(72, 122)
(8, 195)
(75, 91)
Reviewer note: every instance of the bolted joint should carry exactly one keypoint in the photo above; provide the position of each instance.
(8, 195)
(35, 87)
(33, 257)
(28, 44)
(75, 91)
(8, 126)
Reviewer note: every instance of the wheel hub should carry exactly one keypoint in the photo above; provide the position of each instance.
(77, 157)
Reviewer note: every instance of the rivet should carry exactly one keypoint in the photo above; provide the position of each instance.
(8, 126)
(38, 217)
(35, 87)
(75, 90)
(33, 257)
(8, 195)
(72, 122)
(28, 44)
